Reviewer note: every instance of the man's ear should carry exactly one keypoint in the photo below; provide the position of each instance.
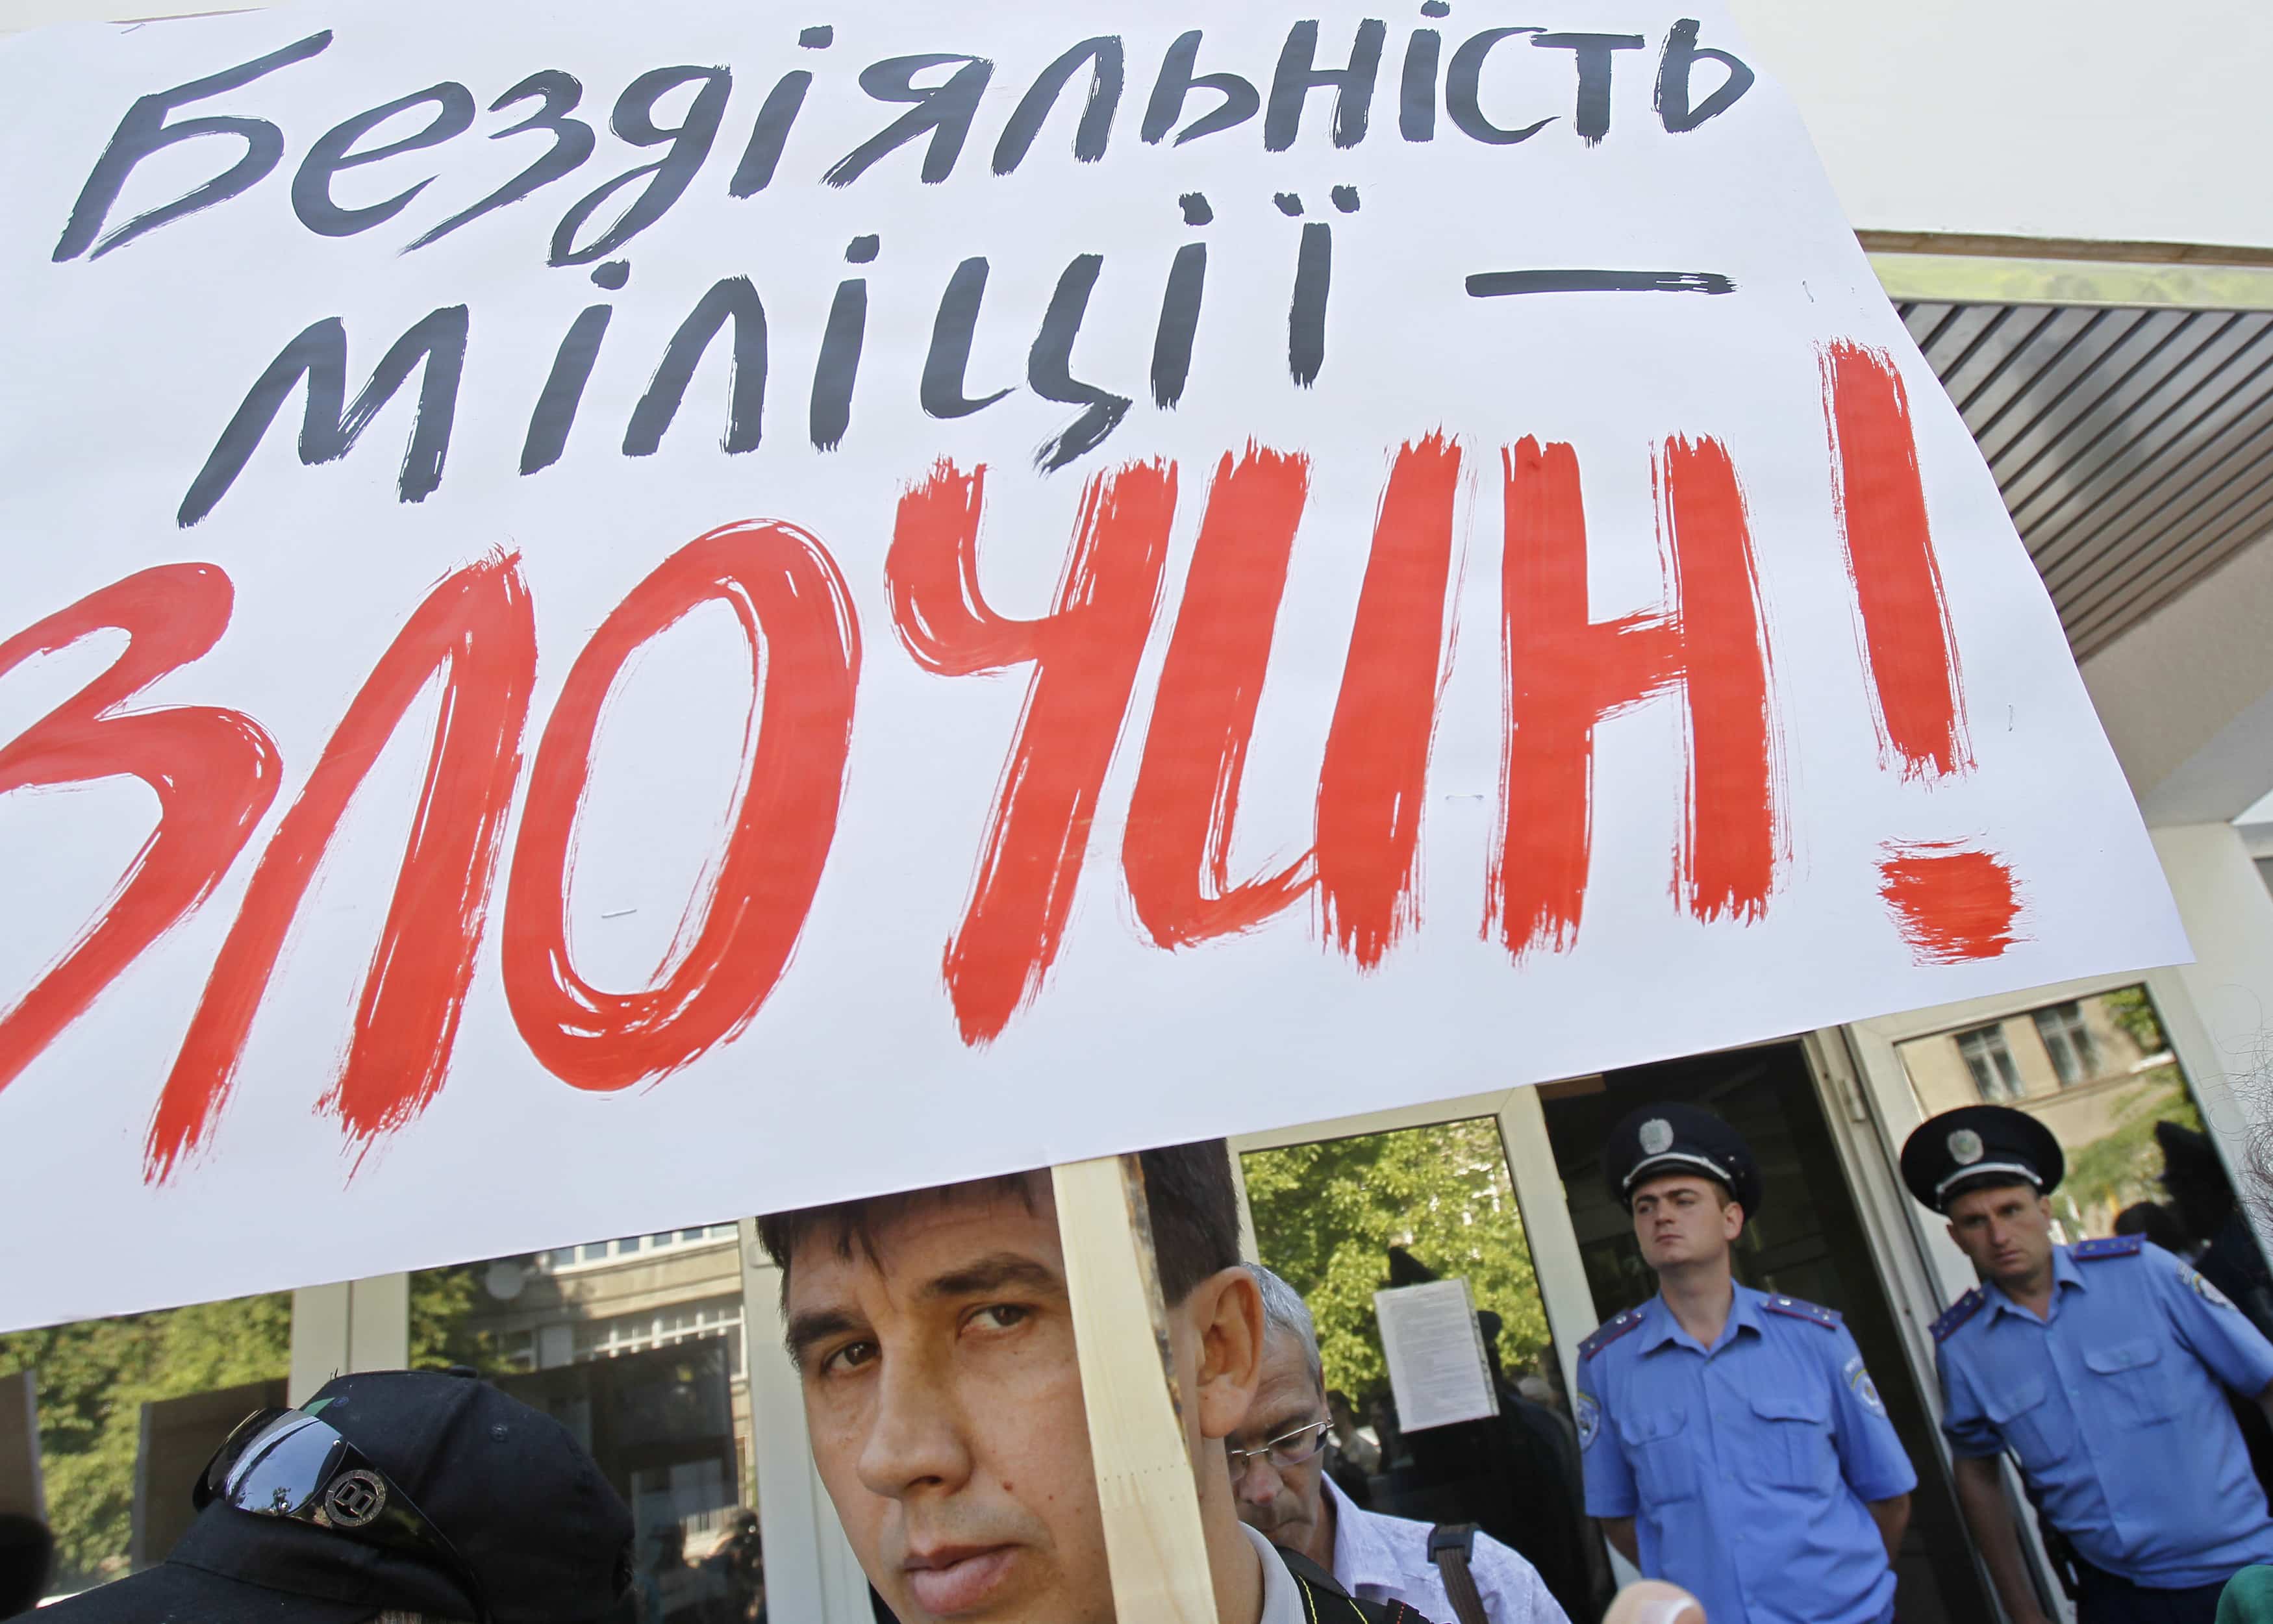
(1225, 1310)
(1732, 1220)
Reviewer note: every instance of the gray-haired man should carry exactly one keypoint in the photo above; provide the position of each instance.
(1277, 1471)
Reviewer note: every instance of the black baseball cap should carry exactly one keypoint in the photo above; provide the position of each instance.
(521, 1502)
(1947, 1155)
(1656, 1140)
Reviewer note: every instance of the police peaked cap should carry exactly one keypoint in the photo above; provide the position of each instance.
(1670, 1138)
(1949, 1151)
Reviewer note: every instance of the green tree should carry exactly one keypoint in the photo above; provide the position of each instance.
(2131, 1009)
(93, 1377)
(1327, 1214)
(440, 1301)
(2125, 1165)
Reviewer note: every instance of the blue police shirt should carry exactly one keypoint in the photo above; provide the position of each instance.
(2154, 1485)
(1745, 1465)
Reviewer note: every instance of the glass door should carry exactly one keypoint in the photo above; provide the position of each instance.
(1810, 1241)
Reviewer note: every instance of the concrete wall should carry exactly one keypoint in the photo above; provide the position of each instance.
(2229, 917)
(2188, 698)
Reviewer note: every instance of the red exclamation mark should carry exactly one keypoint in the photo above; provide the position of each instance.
(1918, 693)
(1950, 901)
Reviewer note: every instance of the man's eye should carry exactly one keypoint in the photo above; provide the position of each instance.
(1001, 1316)
(852, 1356)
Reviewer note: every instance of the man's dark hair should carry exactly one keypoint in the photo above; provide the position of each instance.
(1195, 1213)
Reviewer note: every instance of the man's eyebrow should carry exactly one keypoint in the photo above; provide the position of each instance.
(813, 1327)
(992, 1273)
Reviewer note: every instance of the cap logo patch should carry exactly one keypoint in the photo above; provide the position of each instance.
(1965, 1147)
(1656, 1136)
(355, 1499)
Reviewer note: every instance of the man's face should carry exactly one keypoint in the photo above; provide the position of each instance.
(2006, 1231)
(1681, 1219)
(1285, 1504)
(944, 1400)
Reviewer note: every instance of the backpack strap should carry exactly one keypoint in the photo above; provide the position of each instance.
(1451, 1546)
(1326, 1602)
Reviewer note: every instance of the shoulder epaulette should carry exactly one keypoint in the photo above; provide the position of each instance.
(1957, 1313)
(2112, 1245)
(1610, 1330)
(1815, 1313)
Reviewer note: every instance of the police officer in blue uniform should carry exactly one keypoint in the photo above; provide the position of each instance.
(1733, 1443)
(2099, 1366)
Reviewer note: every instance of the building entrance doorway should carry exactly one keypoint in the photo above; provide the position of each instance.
(1809, 1241)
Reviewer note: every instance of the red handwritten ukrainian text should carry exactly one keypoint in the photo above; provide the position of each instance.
(1373, 779)
(1950, 902)
(478, 628)
(1564, 673)
(1908, 645)
(213, 772)
(1084, 654)
(1707, 648)
(1176, 850)
(805, 665)
(1729, 849)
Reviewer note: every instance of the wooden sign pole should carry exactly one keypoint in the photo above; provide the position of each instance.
(1145, 1483)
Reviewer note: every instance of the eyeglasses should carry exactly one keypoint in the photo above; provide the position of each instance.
(291, 1464)
(1286, 1450)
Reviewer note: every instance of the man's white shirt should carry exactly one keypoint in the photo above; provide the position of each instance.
(1379, 1558)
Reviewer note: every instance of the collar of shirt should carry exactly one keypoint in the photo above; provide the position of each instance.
(2064, 1273)
(1658, 1326)
(1282, 1602)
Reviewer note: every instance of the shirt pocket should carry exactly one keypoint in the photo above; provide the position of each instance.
(2135, 1380)
(1792, 1448)
(2036, 1431)
(1660, 1446)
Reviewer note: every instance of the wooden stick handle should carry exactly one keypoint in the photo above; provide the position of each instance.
(1145, 1483)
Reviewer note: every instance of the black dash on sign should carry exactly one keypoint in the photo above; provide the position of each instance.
(1501, 284)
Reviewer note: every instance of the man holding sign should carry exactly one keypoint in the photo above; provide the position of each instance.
(1733, 1441)
(932, 1333)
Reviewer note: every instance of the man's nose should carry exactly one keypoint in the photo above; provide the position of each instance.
(1260, 1484)
(916, 1436)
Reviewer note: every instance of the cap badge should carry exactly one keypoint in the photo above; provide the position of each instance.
(1965, 1147)
(1656, 1136)
(355, 1499)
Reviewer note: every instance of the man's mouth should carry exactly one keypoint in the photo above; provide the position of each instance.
(952, 1579)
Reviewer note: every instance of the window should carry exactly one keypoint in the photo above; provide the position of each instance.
(663, 1328)
(1994, 1076)
(2105, 1081)
(630, 1245)
(2075, 1058)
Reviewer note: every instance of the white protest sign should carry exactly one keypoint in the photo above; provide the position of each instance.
(1438, 1373)
(619, 615)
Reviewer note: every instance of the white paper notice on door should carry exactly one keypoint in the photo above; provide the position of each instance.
(1435, 1354)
